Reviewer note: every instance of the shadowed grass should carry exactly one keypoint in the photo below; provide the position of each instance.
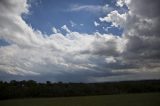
(146, 99)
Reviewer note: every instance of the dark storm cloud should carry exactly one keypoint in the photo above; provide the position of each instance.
(145, 8)
(142, 32)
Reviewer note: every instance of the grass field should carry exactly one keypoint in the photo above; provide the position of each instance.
(147, 99)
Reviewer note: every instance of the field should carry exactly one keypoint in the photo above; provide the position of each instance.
(145, 99)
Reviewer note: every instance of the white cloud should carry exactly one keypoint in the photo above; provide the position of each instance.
(116, 18)
(106, 28)
(96, 24)
(66, 28)
(81, 24)
(54, 30)
(121, 3)
(110, 60)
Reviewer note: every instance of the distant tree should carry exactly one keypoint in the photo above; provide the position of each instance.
(31, 83)
(48, 83)
(14, 82)
(30, 88)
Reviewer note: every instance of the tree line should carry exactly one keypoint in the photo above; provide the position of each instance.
(31, 88)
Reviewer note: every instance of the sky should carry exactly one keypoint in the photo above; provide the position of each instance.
(78, 15)
(79, 40)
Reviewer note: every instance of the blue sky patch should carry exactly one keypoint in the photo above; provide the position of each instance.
(78, 15)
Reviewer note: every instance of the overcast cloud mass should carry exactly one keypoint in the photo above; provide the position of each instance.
(29, 54)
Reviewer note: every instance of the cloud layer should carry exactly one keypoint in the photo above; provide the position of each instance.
(78, 56)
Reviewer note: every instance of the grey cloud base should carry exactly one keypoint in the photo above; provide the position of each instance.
(78, 57)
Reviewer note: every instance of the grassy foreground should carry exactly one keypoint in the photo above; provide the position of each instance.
(146, 99)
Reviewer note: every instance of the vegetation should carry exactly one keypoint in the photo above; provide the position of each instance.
(147, 99)
(30, 89)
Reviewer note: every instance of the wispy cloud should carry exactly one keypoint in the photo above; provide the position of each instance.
(72, 24)
(90, 8)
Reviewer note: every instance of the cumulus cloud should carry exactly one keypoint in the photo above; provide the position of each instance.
(79, 56)
(114, 17)
(121, 3)
(140, 25)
